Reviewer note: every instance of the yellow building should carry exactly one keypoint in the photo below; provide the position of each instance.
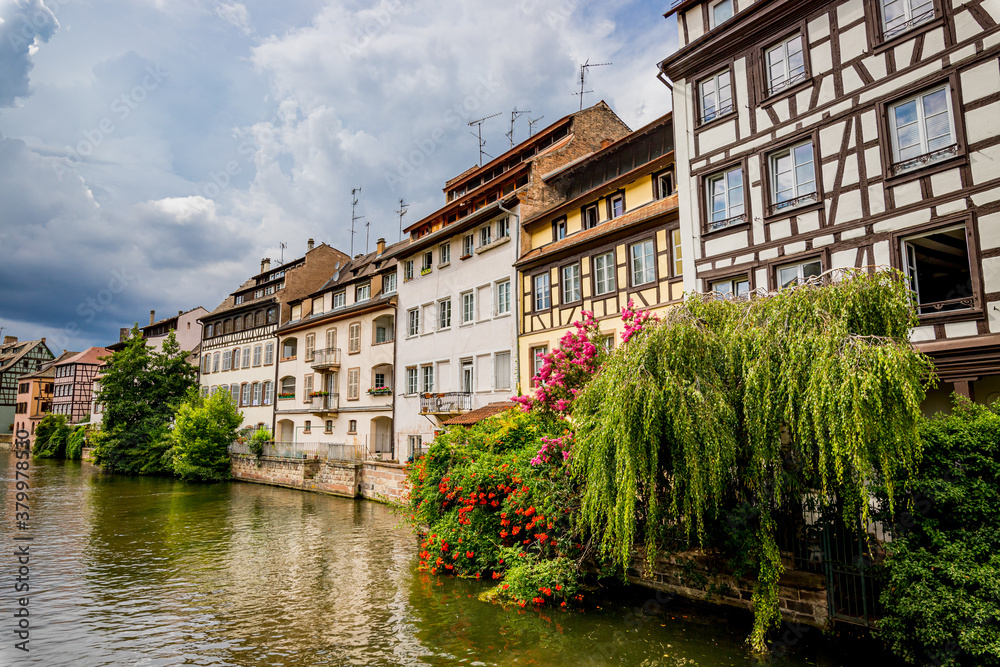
(614, 236)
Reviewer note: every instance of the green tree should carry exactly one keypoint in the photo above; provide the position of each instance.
(683, 426)
(75, 442)
(50, 437)
(942, 598)
(202, 433)
(140, 390)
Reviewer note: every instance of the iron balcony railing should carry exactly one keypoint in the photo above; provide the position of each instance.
(324, 451)
(448, 403)
(328, 403)
(326, 359)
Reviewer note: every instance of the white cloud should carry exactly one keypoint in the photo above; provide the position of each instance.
(235, 14)
(24, 24)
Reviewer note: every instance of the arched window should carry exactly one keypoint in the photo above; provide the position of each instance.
(208, 331)
(260, 318)
(248, 322)
(238, 324)
(272, 315)
(287, 387)
(228, 326)
(289, 348)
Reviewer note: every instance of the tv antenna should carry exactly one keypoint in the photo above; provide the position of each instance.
(368, 225)
(583, 78)
(401, 212)
(479, 134)
(514, 115)
(354, 218)
(283, 246)
(531, 126)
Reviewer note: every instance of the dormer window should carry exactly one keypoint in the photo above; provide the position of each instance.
(898, 16)
(339, 300)
(590, 216)
(363, 292)
(720, 12)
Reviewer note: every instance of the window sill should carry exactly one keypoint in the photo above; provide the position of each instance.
(446, 264)
(722, 230)
(718, 120)
(788, 211)
(928, 169)
(501, 315)
(465, 257)
(882, 45)
(787, 91)
(355, 352)
(492, 245)
(967, 315)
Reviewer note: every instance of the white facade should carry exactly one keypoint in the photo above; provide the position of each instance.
(456, 333)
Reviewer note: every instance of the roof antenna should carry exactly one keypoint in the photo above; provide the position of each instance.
(514, 115)
(531, 126)
(401, 212)
(368, 224)
(479, 127)
(354, 218)
(282, 260)
(583, 78)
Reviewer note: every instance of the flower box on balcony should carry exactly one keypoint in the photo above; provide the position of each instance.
(380, 391)
(424, 272)
(282, 397)
(314, 394)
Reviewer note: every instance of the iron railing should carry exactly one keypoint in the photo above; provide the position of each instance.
(328, 403)
(925, 159)
(716, 225)
(328, 358)
(304, 450)
(454, 402)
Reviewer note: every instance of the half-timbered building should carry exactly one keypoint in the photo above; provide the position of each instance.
(34, 396)
(848, 133)
(73, 384)
(614, 236)
(16, 360)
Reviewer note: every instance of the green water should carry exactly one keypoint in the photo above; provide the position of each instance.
(132, 571)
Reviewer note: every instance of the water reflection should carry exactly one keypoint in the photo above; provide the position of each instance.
(158, 572)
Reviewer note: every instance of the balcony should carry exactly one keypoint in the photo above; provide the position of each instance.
(326, 360)
(325, 404)
(451, 403)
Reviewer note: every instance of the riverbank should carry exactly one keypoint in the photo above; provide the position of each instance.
(382, 481)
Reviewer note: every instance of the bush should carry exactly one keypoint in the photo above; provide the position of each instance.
(257, 441)
(75, 442)
(202, 433)
(942, 598)
(50, 437)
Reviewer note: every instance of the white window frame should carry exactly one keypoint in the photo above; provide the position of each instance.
(411, 381)
(714, 85)
(485, 236)
(781, 55)
(427, 379)
(585, 213)
(362, 293)
(444, 253)
(676, 253)
(712, 24)
(354, 338)
(339, 300)
(542, 290)
(246, 357)
(502, 383)
(258, 354)
(389, 283)
(570, 283)
(412, 322)
(798, 197)
(444, 314)
(503, 227)
(922, 158)
(734, 211)
(408, 270)
(642, 266)
(502, 297)
(537, 353)
(799, 268)
(468, 245)
(268, 354)
(468, 307)
(909, 19)
(729, 288)
(604, 273)
(618, 199)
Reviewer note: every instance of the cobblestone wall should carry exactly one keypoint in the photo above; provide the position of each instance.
(373, 480)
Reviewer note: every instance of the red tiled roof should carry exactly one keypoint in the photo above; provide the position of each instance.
(479, 414)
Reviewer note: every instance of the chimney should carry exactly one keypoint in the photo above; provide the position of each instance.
(309, 245)
(7, 340)
(122, 335)
(43, 340)
(265, 264)
(152, 316)
(179, 313)
(380, 246)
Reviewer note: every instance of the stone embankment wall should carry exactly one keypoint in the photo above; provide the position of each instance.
(801, 595)
(88, 454)
(375, 480)
(6, 442)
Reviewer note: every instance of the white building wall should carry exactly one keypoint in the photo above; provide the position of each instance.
(253, 414)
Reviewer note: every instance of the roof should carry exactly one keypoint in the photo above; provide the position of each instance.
(383, 301)
(479, 414)
(11, 353)
(680, 5)
(174, 317)
(48, 369)
(88, 356)
(653, 209)
(363, 267)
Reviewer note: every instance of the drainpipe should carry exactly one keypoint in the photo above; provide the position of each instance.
(395, 369)
(275, 388)
(515, 282)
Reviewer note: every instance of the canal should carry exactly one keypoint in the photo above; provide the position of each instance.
(136, 571)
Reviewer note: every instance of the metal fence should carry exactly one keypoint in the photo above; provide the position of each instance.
(327, 451)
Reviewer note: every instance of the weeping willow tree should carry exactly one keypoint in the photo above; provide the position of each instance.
(751, 402)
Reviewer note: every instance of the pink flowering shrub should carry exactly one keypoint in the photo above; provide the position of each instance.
(635, 320)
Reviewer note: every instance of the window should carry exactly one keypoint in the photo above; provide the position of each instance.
(444, 314)
(272, 315)
(268, 393)
(643, 267)
(408, 270)
(307, 387)
(228, 326)
(503, 297)
(258, 293)
(215, 362)
(503, 227)
(329, 426)
(245, 395)
(468, 307)
(352, 426)
(416, 442)
(616, 206)
(604, 273)
(411, 380)
(268, 354)
(725, 199)
(331, 339)
(922, 130)
(444, 252)
(353, 383)
(731, 287)
(385, 329)
(363, 292)
(427, 376)
(257, 353)
(317, 305)
(379, 382)
(937, 264)
(246, 357)
(310, 347)
(287, 387)
(308, 426)
(663, 184)
(791, 274)
(413, 322)
(676, 258)
(389, 283)
(257, 395)
(428, 261)
(206, 364)
(538, 358)
(296, 312)
(570, 283)
(559, 229)
(467, 242)
(716, 96)
(289, 348)
(785, 64)
(501, 370)
(720, 12)
(354, 338)
(227, 358)
(259, 318)
(543, 299)
(236, 360)
(589, 214)
(208, 331)
(898, 16)
(485, 236)
(339, 300)
(793, 176)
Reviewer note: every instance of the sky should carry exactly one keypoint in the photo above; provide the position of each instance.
(152, 152)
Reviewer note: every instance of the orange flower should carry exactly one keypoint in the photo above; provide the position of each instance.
(469, 554)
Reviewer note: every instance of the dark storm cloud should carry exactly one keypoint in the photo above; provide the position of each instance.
(24, 22)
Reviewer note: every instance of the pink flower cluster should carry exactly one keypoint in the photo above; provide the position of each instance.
(635, 320)
(553, 447)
